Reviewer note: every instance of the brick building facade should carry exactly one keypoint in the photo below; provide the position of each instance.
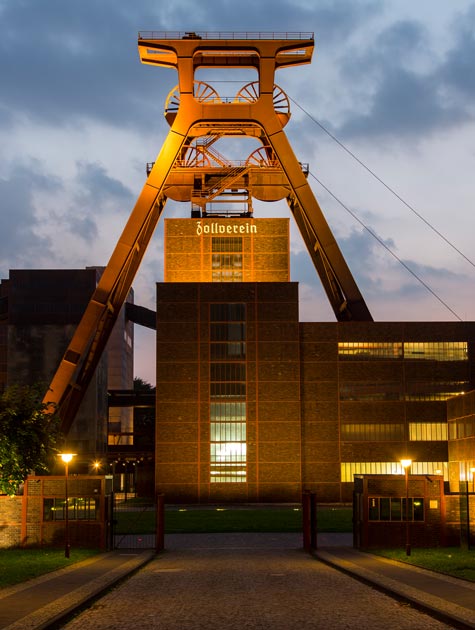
(253, 405)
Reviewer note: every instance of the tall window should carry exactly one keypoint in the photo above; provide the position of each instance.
(227, 393)
(226, 259)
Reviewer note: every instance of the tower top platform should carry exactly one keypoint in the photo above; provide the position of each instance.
(224, 49)
(222, 35)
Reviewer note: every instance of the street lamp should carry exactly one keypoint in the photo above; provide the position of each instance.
(471, 471)
(406, 464)
(66, 458)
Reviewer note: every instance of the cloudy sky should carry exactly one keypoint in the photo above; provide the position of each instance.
(384, 115)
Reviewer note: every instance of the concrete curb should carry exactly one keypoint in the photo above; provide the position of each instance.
(57, 612)
(437, 607)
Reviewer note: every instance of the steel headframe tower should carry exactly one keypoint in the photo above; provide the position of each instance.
(188, 168)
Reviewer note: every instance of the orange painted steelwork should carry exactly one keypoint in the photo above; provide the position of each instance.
(198, 116)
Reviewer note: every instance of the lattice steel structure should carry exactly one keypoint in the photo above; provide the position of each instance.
(189, 168)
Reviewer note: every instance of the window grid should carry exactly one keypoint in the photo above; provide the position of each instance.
(420, 350)
(228, 452)
(370, 350)
(394, 509)
(226, 259)
(362, 390)
(428, 431)
(435, 390)
(372, 432)
(462, 428)
(79, 509)
(392, 390)
(226, 244)
(436, 351)
(231, 350)
(349, 469)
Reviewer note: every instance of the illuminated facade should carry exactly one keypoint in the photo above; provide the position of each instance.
(253, 405)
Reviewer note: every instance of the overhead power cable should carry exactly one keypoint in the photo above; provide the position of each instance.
(388, 249)
(383, 183)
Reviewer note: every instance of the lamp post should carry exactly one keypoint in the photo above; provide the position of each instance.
(471, 471)
(406, 464)
(66, 458)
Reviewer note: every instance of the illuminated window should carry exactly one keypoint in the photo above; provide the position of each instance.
(436, 351)
(79, 509)
(228, 456)
(394, 509)
(350, 469)
(428, 431)
(370, 350)
(226, 259)
(420, 350)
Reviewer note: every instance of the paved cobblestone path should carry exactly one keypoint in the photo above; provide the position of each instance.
(245, 582)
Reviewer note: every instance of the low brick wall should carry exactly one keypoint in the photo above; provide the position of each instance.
(10, 521)
(24, 521)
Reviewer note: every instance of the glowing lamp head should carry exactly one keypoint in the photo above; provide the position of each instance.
(406, 463)
(66, 457)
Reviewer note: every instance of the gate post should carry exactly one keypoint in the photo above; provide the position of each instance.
(160, 522)
(309, 520)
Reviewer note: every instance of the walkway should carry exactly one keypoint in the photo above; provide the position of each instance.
(245, 581)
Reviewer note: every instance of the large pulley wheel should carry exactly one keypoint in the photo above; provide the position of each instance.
(203, 93)
(250, 94)
(263, 156)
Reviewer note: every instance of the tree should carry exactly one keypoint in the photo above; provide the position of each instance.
(29, 432)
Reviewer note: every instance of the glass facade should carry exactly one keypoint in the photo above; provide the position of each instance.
(408, 386)
(350, 469)
(361, 350)
(226, 259)
(428, 431)
(227, 393)
(372, 432)
(419, 350)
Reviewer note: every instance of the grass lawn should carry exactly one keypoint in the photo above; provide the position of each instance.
(450, 560)
(19, 565)
(232, 519)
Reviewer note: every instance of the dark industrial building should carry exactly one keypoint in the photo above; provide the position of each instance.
(39, 312)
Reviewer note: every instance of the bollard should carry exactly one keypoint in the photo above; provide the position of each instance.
(160, 523)
(309, 520)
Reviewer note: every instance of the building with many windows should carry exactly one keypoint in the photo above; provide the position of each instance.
(254, 405)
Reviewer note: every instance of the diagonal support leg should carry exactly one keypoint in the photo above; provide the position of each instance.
(80, 360)
(338, 282)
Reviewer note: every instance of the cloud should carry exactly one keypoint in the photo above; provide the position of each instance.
(457, 71)
(60, 61)
(407, 89)
(19, 225)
